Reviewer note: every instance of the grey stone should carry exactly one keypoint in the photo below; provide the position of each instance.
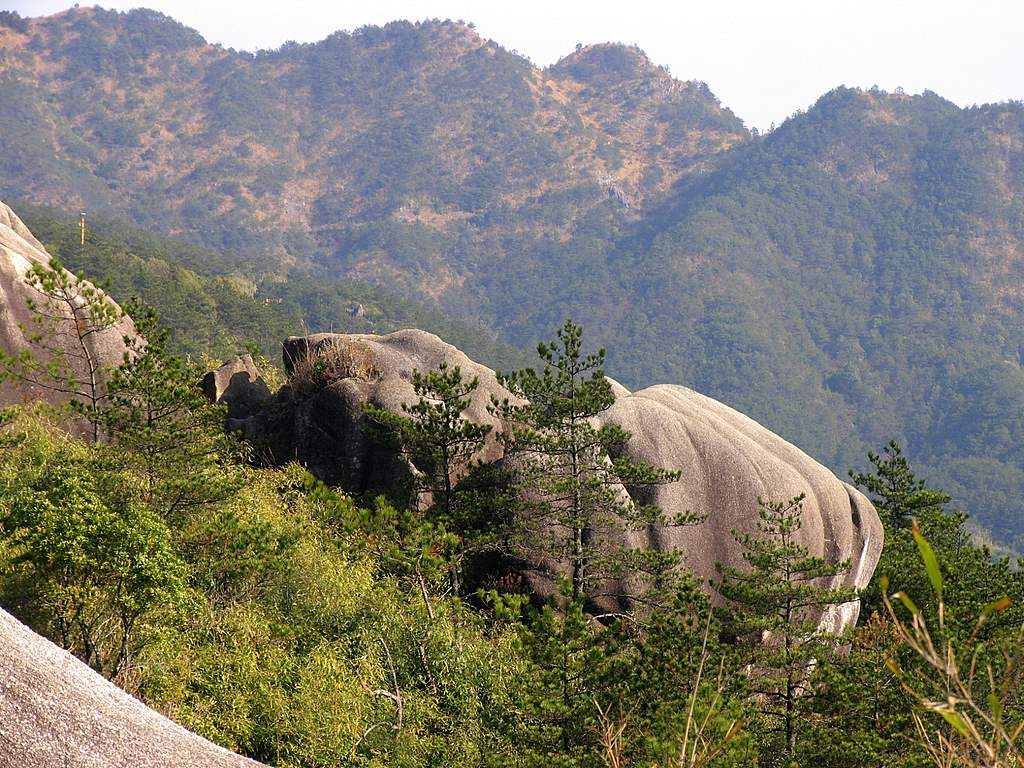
(19, 250)
(55, 711)
(239, 385)
(727, 460)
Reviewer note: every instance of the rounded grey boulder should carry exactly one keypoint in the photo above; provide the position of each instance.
(727, 460)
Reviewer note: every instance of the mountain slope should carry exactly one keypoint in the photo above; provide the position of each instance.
(377, 153)
(854, 275)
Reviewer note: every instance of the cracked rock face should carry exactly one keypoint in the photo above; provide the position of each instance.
(727, 460)
(55, 711)
(19, 250)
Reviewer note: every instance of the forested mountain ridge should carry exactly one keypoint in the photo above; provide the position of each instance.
(408, 132)
(861, 263)
(851, 276)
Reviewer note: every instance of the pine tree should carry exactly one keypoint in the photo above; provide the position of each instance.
(162, 425)
(896, 493)
(976, 578)
(68, 315)
(775, 607)
(441, 445)
(571, 506)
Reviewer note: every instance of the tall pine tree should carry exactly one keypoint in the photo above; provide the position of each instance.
(775, 606)
(572, 507)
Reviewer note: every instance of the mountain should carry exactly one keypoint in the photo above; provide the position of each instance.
(403, 138)
(852, 276)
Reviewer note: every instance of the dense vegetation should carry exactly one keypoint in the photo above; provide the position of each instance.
(845, 278)
(210, 307)
(284, 620)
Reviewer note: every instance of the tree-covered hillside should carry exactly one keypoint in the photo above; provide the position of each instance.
(210, 308)
(851, 276)
(370, 151)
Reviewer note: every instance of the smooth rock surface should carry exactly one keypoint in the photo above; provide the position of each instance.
(55, 712)
(727, 460)
(19, 250)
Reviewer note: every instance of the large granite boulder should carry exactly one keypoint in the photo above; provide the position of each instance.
(727, 460)
(19, 250)
(55, 711)
(318, 419)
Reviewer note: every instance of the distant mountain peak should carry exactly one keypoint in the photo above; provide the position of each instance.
(604, 63)
(140, 30)
(872, 99)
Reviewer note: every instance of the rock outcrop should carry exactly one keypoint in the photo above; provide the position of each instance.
(19, 250)
(239, 384)
(55, 711)
(727, 460)
(318, 418)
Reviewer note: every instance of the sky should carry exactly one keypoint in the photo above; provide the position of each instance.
(764, 59)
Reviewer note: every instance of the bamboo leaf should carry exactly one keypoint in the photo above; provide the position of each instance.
(904, 598)
(996, 707)
(931, 562)
(954, 718)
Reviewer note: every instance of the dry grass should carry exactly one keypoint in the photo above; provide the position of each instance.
(332, 361)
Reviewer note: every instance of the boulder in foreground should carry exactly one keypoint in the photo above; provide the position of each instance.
(55, 712)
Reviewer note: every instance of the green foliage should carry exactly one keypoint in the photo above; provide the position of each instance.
(847, 256)
(664, 693)
(164, 426)
(571, 506)
(973, 577)
(897, 494)
(208, 307)
(86, 561)
(862, 714)
(13, 20)
(282, 619)
(775, 605)
(435, 436)
(968, 689)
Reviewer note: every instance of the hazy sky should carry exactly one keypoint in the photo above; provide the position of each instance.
(763, 58)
